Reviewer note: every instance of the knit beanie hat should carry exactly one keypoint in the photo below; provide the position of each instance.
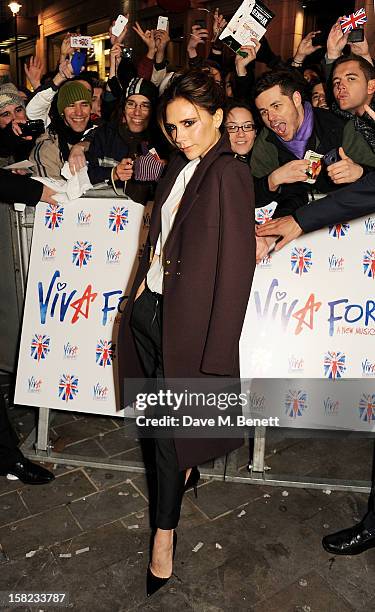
(142, 87)
(9, 95)
(71, 92)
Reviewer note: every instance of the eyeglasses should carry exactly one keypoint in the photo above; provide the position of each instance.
(245, 127)
(144, 106)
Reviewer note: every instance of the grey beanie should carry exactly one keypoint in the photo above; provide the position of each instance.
(9, 95)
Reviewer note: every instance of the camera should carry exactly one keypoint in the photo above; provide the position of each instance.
(32, 128)
(127, 52)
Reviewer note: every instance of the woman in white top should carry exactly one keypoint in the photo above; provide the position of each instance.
(185, 312)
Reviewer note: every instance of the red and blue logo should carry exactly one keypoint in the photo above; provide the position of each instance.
(334, 364)
(295, 403)
(367, 408)
(340, 230)
(118, 219)
(262, 215)
(301, 260)
(82, 253)
(40, 346)
(105, 350)
(68, 387)
(369, 263)
(54, 216)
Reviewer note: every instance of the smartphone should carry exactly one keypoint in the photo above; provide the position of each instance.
(32, 128)
(356, 35)
(319, 40)
(83, 42)
(162, 23)
(119, 25)
(332, 157)
(78, 60)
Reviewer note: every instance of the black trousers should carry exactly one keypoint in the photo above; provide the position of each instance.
(146, 324)
(9, 452)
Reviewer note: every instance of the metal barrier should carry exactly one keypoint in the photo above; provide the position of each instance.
(37, 445)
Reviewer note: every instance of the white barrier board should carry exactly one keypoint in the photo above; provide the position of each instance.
(311, 315)
(83, 259)
(310, 323)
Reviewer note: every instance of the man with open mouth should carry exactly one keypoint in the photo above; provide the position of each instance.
(291, 128)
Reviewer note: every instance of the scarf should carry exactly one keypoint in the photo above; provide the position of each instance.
(66, 136)
(298, 144)
(364, 124)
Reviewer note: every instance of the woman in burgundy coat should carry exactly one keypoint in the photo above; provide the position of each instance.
(185, 312)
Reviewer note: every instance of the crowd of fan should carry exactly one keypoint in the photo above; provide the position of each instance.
(294, 106)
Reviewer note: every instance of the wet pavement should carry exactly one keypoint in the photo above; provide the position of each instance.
(240, 546)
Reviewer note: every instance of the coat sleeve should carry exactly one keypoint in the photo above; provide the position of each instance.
(234, 270)
(343, 205)
(40, 104)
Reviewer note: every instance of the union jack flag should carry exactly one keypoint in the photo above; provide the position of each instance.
(104, 352)
(118, 218)
(53, 216)
(338, 230)
(263, 214)
(295, 403)
(40, 346)
(301, 260)
(334, 364)
(367, 408)
(352, 21)
(68, 387)
(81, 253)
(369, 263)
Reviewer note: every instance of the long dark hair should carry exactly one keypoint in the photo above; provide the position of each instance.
(197, 87)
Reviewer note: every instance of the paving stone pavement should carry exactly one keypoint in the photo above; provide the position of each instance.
(87, 533)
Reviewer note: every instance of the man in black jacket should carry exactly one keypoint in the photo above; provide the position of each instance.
(292, 127)
(340, 206)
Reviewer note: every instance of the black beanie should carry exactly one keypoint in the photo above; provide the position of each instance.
(142, 87)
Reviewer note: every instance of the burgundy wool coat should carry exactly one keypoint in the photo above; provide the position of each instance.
(209, 264)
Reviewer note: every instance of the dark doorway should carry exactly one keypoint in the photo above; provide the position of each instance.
(322, 14)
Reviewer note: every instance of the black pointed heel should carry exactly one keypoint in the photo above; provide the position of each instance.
(193, 480)
(154, 583)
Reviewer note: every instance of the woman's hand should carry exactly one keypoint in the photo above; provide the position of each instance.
(198, 36)
(115, 57)
(17, 130)
(306, 47)
(65, 73)
(124, 170)
(336, 41)
(34, 71)
(161, 41)
(66, 48)
(251, 53)
(218, 25)
(121, 37)
(148, 38)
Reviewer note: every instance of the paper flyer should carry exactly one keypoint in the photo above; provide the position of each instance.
(249, 21)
